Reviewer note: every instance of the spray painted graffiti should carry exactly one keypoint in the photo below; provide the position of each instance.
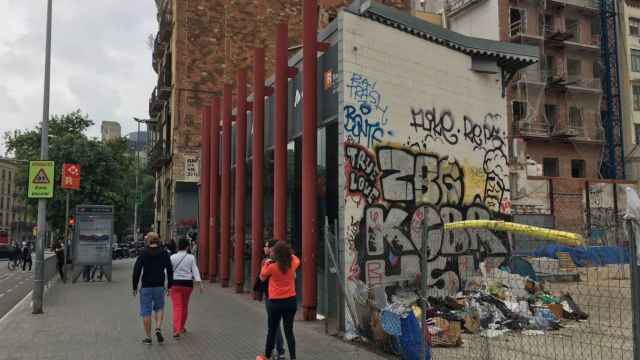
(363, 173)
(363, 91)
(358, 125)
(419, 192)
(365, 118)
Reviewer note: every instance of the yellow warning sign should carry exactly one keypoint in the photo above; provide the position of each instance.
(41, 179)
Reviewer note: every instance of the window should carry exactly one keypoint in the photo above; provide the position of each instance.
(550, 167)
(635, 60)
(519, 111)
(551, 114)
(636, 127)
(573, 67)
(545, 24)
(634, 26)
(572, 27)
(577, 168)
(595, 28)
(575, 117)
(517, 21)
(549, 65)
(596, 69)
(636, 97)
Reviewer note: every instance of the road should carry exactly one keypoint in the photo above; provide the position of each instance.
(14, 285)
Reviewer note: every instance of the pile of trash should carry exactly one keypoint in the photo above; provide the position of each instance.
(491, 305)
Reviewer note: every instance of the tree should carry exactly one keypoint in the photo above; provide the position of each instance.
(107, 168)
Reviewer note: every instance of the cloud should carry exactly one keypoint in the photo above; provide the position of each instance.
(100, 61)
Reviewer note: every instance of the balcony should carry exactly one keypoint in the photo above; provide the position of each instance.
(518, 33)
(155, 103)
(159, 155)
(589, 6)
(576, 83)
(531, 128)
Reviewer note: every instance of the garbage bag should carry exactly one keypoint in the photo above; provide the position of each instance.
(412, 339)
(571, 310)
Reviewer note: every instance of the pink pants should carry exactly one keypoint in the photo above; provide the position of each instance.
(180, 298)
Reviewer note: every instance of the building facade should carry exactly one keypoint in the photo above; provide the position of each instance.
(192, 63)
(15, 222)
(110, 130)
(553, 107)
(629, 54)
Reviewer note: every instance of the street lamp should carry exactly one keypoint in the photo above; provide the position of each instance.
(38, 279)
(135, 206)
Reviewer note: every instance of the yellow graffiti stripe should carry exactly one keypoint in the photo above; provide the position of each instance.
(563, 237)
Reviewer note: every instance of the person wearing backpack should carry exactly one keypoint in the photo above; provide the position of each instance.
(185, 273)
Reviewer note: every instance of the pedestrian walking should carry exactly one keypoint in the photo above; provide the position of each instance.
(151, 265)
(282, 305)
(185, 273)
(26, 257)
(59, 250)
(172, 247)
(261, 288)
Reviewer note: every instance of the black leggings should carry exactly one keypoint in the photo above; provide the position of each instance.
(285, 310)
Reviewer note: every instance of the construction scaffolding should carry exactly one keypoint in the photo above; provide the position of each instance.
(559, 100)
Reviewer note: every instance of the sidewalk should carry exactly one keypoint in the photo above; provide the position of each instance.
(99, 321)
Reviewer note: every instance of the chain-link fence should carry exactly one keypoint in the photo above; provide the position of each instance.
(545, 300)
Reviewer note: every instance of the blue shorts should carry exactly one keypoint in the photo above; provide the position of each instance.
(151, 299)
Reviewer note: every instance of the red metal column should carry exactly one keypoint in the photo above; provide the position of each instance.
(280, 146)
(241, 146)
(257, 165)
(203, 232)
(214, 205)
(309, 160)
(225, 202)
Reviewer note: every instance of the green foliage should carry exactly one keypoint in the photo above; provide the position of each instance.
(107, 168)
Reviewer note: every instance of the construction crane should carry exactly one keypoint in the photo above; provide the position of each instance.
(613, 161)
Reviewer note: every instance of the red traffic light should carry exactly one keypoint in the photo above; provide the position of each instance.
(72, 221)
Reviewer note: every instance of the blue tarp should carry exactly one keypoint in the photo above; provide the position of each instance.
(583, 255)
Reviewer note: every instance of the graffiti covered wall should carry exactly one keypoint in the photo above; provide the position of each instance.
(419, 148)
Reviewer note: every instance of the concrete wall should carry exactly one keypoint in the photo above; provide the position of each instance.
(421, 145)
(480, 22)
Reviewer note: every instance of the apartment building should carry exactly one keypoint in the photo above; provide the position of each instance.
(629, 55)
(14, 219)
(554, 106)
(110, 130)
(195, 52)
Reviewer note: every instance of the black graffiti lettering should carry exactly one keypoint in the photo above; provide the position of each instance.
(486, 133)
(456, 241)
(397, 168)
(437, 127)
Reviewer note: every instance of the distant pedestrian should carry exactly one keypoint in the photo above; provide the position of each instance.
(172, 247)
(26, 257)
(185, 273)
(152, 264)
(281, 273)
(261, 288)
(59, 250)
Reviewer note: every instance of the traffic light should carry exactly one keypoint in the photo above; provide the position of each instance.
(72, 220)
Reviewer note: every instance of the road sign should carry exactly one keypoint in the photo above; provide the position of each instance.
(70, 176)
(41, 176)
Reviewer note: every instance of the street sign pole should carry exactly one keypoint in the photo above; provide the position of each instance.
(38, 279)
(66, 230)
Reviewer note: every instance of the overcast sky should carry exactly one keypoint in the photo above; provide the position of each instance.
(101, 63)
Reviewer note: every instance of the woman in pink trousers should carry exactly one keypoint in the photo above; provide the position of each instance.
(185, 273)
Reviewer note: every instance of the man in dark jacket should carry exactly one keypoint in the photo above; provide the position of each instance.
(26, 257)
(152, 264)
